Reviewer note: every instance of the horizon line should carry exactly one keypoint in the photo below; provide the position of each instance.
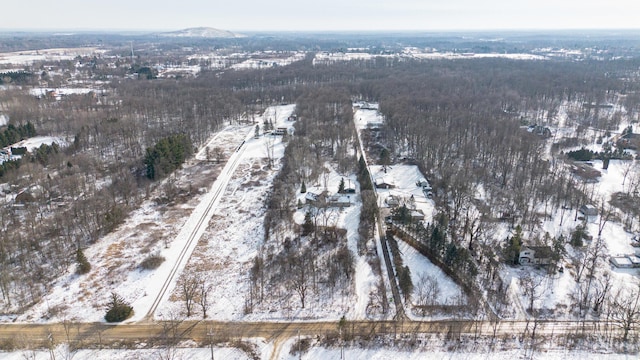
(332, 31)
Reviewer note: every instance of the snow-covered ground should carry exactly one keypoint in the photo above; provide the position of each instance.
(62, 352)
(347, 218)
(226, 252)
(30, 56)
(33, 143)
(151, 229)
(287, 351)
(403, 178)
(263, 63)
(421, 266)
(332, 57)
(37, 141)
(177, 70)
(319, 353)
(41, 92)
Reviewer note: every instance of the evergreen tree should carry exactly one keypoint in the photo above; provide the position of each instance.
(167, 155)
(82, 264)
(341, 186)
(577, 235)
(118, 309)
(307, 227)
(385, 158)
(451, 254)
(303, 188)
(402, 214)
(511, 251)
(404, 282)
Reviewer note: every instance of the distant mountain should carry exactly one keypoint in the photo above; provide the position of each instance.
(202, 32)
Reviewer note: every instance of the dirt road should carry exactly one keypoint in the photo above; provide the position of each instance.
(101, 334)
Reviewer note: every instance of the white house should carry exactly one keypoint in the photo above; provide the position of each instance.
(535, 255)
(339, 201)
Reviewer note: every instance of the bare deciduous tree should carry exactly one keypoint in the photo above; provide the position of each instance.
(189, 285)
(427, 291)
(532, 288)
(624, 307)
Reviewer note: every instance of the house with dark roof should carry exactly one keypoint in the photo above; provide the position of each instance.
(535, 255)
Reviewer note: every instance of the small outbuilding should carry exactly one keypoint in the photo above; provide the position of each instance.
(589, 210)
(622, 262)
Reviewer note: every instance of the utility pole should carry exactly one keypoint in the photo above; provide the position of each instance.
(210, 334)
(299, 346)
(341, 346)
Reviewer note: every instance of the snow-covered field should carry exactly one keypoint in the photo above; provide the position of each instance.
(34, 143)
(62, 352)
(263, 63)
(427, 348)
(115, 259)
(30, 56)
(236, 234)
(421, 266)
(41, 92)
(37, 141)
(332, 57)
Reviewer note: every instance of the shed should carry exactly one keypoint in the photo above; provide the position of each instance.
(621, 262)
(588, 210)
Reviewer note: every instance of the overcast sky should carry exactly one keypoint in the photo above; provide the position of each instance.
(334, 15)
